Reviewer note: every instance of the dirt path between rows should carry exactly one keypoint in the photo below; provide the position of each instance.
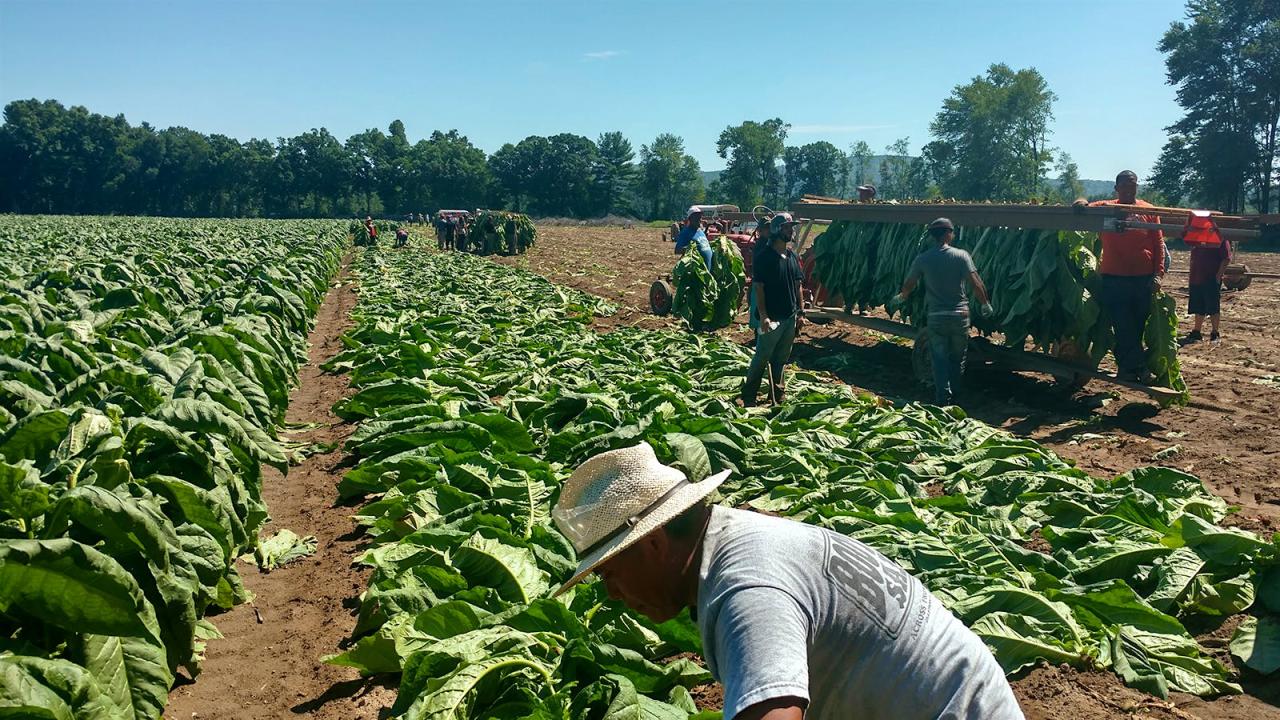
(268, 666)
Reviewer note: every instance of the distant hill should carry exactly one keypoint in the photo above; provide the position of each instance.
(1092, 188)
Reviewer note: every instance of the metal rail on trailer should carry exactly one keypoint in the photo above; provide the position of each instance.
(1011, 357)
(1040, 217)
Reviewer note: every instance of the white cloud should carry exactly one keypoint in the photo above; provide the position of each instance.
(835, 129)
(602, 54)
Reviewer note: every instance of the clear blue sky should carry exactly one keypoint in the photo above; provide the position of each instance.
(500, 70)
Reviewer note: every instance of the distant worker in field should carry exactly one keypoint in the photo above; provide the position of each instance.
(1131, 265)
(692, 233)
(866, 193)
(796, 621)
(448, 225)
(945, 271)
(776, 278)
(1208, 265)
(402, 237)
(462, 235)
(371, 230)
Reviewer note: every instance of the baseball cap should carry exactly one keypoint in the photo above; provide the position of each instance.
(942, 223)
(780, 221)
(867, 188)
(693, 210)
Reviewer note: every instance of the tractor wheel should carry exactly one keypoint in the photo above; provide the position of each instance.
(921, 360)
(1236, 277)
(660, 296)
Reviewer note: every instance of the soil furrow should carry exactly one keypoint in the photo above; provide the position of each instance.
(268, 665)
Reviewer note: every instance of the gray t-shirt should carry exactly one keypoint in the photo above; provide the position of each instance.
(945, 270)
(788, 609)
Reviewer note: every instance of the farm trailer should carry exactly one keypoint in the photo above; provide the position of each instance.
(1175, 221)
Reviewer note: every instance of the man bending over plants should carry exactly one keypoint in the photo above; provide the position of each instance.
(796, 621)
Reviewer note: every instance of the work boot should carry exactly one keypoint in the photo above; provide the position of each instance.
(1213, 337)
(1193, 336)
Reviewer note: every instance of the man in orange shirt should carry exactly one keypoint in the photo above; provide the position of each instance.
(1131, 265)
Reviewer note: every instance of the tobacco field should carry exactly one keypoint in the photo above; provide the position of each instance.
(147, 365)
(144, 367)
(472, 408)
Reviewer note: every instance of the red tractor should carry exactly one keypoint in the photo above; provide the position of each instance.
(740, 228)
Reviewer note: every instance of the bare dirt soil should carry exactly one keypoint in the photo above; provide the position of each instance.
(1226, 436)
(268, 666)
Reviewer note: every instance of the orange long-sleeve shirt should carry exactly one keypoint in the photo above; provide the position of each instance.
(1132, 252)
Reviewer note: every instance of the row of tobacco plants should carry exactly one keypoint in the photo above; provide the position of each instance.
(144, 367)
(480, 387)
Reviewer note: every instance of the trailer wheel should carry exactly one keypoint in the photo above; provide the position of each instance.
(921, 360)
(660, 296)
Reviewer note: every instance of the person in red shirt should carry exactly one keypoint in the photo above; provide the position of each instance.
(1208, 263)
(1132, 264)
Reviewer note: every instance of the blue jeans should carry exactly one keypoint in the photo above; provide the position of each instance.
(772, 349)
(1127, 299)
(948, 342)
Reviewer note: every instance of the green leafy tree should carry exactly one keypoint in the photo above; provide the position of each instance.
(901, 176)
(860, 164)
(1225, 63)
(991, 136)
(615, 172)
(670, 180)
(366, 150)
(753, 150)
(815, 168)
(1069, 185)
(449, 172)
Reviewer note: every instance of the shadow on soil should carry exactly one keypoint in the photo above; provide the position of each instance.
(350, 689)
(1020, 403)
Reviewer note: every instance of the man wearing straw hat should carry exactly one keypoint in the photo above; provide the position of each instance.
(796, 621)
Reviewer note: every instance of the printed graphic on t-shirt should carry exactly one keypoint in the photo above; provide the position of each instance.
(880, 588)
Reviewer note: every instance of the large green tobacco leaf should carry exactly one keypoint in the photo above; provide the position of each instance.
(133, 672)
(72, 586)
(478, 686)
(35, 687)
(512, 571)
(1256, 643)
(1019, 641)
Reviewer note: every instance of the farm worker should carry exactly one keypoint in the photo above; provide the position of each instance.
(775, 282)
(692, 233)
(945, 270)
(866, 193)
(1131, 265)
(402, 237)
(796, 621)
(371, 229)
(460, 234)
(1208, 264)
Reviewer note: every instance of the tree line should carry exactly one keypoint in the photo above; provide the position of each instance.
(990, 140)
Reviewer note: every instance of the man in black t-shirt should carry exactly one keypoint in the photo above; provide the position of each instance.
(775, 282)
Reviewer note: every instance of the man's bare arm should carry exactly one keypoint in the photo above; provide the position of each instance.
(757, 287)
(979, 288)
(783, 708)
(907, 287)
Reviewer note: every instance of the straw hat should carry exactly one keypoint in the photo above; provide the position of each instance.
(617, 497)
